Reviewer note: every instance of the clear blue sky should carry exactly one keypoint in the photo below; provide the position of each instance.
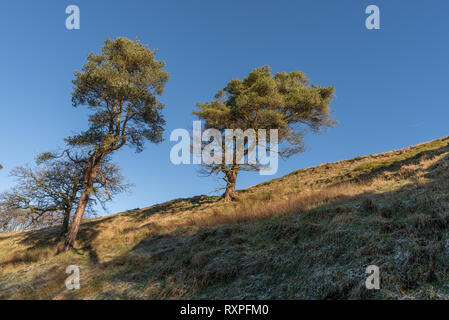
(391, 84)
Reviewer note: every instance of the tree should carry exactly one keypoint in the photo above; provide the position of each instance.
(46, 194)
(119, 86)
(284, 101)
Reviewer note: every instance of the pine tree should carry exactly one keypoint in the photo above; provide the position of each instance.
(284, 101)
(119, 86)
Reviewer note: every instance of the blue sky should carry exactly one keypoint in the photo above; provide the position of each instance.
(391, 84)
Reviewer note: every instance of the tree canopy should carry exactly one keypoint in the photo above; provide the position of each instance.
(283, 101)
(120, 86)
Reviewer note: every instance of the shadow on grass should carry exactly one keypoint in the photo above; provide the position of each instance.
(320, 254)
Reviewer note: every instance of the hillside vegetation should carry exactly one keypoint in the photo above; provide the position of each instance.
(308, 235)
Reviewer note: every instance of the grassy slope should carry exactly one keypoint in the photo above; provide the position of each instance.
(310, 235)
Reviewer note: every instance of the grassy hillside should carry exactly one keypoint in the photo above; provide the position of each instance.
(308, 235)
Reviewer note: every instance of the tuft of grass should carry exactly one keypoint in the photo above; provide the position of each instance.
(406, 154)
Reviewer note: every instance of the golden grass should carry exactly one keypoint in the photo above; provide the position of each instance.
(299, 192)
(328, 186)
(253, 210)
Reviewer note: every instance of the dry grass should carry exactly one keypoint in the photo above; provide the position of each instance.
(252, 210)
(332, 219)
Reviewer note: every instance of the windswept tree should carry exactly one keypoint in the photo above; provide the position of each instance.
(119, 86)
(284, 101)
(47, 193)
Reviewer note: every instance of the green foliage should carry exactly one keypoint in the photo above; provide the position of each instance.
(284, 101)
(120, 87)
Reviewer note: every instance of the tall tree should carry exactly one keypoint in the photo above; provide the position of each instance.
(47, 193)
(284, 101)
(119, 86)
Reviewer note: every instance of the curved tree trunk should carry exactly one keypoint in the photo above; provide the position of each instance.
(71, 236)
(231, 178)
(90, 173)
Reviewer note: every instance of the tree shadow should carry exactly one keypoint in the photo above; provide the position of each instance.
(44, 243)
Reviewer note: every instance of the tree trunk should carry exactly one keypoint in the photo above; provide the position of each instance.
(231, 178)
(82, 204)
(90, 173)
(65, 224)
